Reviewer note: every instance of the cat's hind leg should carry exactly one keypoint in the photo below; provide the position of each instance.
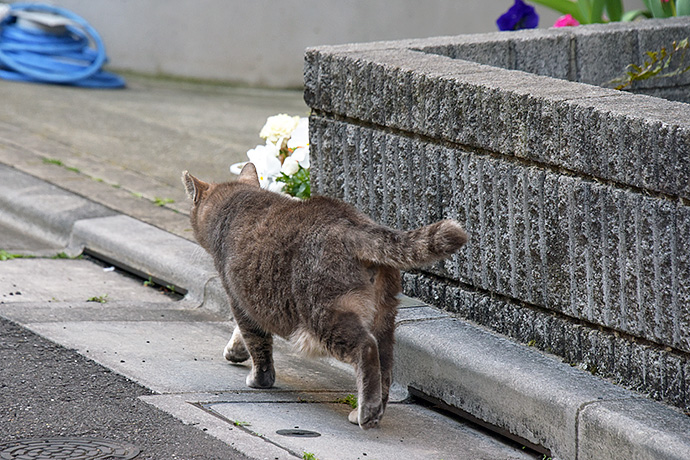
(385, 343)
(235, 351)
(260, 347)
(351, 342)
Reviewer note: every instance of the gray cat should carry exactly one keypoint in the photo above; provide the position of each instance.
(317, 272)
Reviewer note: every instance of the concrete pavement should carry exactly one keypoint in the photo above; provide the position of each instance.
(173, 349)
(101, 197)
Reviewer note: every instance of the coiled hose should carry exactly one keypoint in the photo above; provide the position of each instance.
(68, 52)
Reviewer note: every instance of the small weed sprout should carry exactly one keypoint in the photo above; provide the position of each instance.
(62, 255)
(162, 201)
(53, 161)
(657, 66)
(100, 299)
(238, 423)
(4, 255)
(350, 400)
(309, 456)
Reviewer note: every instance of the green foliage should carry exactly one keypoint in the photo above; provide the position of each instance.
(162, 201)
(297, 185)
(309, 456)
(599, 11)
(100, 299)
(350, 400)
(53, 161)
(661, 64)
(62, 255)
(587, 11)
(4, 255)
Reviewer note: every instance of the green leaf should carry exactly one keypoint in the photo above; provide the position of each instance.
(297, 185)
(565, 7)
(635, 14)
(682, 7)
(658, 8)
(596, 14)
(614, 10)
(585, 8)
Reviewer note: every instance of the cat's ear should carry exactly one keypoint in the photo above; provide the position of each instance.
(249, 176)
(194, 187)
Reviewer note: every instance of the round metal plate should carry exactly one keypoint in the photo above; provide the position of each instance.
(297, 433)
(67, 449)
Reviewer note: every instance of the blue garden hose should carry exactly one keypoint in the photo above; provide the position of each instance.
(72, 54)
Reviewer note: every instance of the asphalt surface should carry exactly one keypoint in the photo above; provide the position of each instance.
(48, 391)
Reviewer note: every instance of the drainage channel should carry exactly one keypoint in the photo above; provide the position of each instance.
(437, 405)
(171, 289)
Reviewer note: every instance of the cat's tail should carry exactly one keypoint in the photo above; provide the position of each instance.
(415, 248)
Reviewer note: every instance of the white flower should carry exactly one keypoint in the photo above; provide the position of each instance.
(276, 187)
(265, 159)
(290, 166)
(300, 135)
(301, 156)
(278, 128)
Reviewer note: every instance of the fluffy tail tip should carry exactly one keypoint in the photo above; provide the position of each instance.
(450, 237)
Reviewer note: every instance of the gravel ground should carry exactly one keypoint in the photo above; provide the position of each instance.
(48, 391)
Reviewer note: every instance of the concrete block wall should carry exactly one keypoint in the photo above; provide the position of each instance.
(576, 197)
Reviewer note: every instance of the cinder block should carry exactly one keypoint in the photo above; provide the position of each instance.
(377, 171)
(595, 253)
(654, 373)
(559, 257)
(404, 194)
(653, 39)
(675, 381)
(311, 77)
(463, 196)
(681, 145)
(545, 53)
(488, 49)
(594, 46)
(661, 215)
(681, 331)
(390, 200)
(611, 258)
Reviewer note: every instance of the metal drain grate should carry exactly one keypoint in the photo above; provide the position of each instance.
(297, 433)
(67, 449)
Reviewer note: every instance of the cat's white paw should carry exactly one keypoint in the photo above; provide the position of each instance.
(235, 350)
(353, 417)
(367, 416)
(234, 355)
(261, 379)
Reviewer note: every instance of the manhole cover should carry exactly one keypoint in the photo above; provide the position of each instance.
(297, 433)
(66, 449)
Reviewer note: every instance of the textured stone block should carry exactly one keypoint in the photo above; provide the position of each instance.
(489, 49)
(531, 52)
(594, 46)
(653, 39)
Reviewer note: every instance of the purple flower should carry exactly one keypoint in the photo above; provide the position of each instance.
(519, 16)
